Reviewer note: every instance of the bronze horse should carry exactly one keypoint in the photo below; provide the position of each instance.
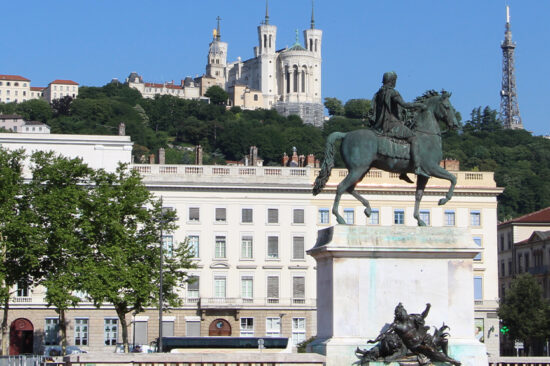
(360, 151)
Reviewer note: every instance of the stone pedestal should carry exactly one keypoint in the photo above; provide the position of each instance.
(364, 272)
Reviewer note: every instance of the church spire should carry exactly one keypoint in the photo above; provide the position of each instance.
(266, 22)
(312, 15)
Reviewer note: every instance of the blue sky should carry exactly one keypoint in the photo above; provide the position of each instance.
(431, 44)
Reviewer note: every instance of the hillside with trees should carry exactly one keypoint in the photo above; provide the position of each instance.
(521, 162)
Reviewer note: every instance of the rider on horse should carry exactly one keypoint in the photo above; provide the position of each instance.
(388, 105)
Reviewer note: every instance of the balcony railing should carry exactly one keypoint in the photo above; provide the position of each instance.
(213, 302)
(22, 299)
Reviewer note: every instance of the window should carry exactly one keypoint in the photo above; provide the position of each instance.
(399, 217)
(374, 218)
(502, 268)
(140, 332)
(425, 216)
(273, 247)
(475, 218)
(255, 97)
(298, 330)
(246, 247)
(349, 216)
(323, 216)
(194, 214)
(167, 328)
(298, 247)
(81, 332)
(247, 288)
(193, 328)
(220, 214)
(51, 331)
(247, 327)
(219, 287)
(246, 215)
(219, 251)
(110, 331)
(193, 287)
(273, 327)
(298, 290)
(194, 245)
(168, 245)
(501, 242)
(272, 216)
(478, 243)
(22, 289)
(449, 218)
(298, 216)
(478, 288)
(273, 289)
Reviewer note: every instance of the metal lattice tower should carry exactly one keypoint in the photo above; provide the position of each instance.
(509, 109)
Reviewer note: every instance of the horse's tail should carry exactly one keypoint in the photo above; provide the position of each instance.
(328, 162)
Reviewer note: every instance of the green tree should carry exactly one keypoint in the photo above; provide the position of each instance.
(62, 106)
(334, 106)
(524, 311)
(123, 222)
(357, 108)
(58, 182)
(35, 110)
(217, 95)
(19, 249)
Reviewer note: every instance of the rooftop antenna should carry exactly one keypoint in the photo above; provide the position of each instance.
(312, 15)
(266, 22)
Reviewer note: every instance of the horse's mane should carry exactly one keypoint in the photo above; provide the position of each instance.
(428, 94)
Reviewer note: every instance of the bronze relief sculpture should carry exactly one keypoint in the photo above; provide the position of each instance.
(408, 336)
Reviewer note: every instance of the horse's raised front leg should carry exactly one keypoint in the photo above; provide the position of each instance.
(361, 199)
(439, 172)
(347, 185)
(420, 186)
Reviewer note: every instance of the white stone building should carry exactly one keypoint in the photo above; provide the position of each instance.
(251, 227)
(58, 89)
(14, 88)
(287, 79)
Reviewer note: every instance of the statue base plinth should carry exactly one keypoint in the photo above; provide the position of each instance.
(363, 272)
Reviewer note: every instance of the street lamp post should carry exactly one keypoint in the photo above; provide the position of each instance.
(159, 344)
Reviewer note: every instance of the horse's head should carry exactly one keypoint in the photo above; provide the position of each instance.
(445, 112)
(438, 108)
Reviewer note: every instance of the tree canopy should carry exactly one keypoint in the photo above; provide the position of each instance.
(524, 311)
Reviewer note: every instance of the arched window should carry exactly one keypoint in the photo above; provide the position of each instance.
(287, 79)
(304, 72)
(256, 97)
(265, 40)
(315, 45)
(270, 38)
(295, 69)
(311, 44)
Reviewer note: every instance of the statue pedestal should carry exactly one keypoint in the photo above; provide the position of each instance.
(363, 272)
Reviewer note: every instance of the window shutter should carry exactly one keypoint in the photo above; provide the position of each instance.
(273, 247)
(220, 214)
(298, 287)
(273, 287)
(193, 214)
(298, 216)
(246, 215)
(193, 286)
(272, 215)
(298, 247)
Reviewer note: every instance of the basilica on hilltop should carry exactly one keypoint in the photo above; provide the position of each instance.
(287, 79)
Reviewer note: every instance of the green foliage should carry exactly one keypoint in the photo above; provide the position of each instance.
(521, 162)
(34, 110)
(334, 106)
(357, 108)
(217, 95)
(122, 232)
(524, 310)
(62, 106)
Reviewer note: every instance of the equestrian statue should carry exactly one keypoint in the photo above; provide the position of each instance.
(404, 138)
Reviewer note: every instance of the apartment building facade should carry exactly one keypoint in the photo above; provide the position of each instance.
(250, 228)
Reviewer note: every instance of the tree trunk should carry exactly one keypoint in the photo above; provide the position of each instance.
(63, 329)
(5, 337)
(124, 326)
